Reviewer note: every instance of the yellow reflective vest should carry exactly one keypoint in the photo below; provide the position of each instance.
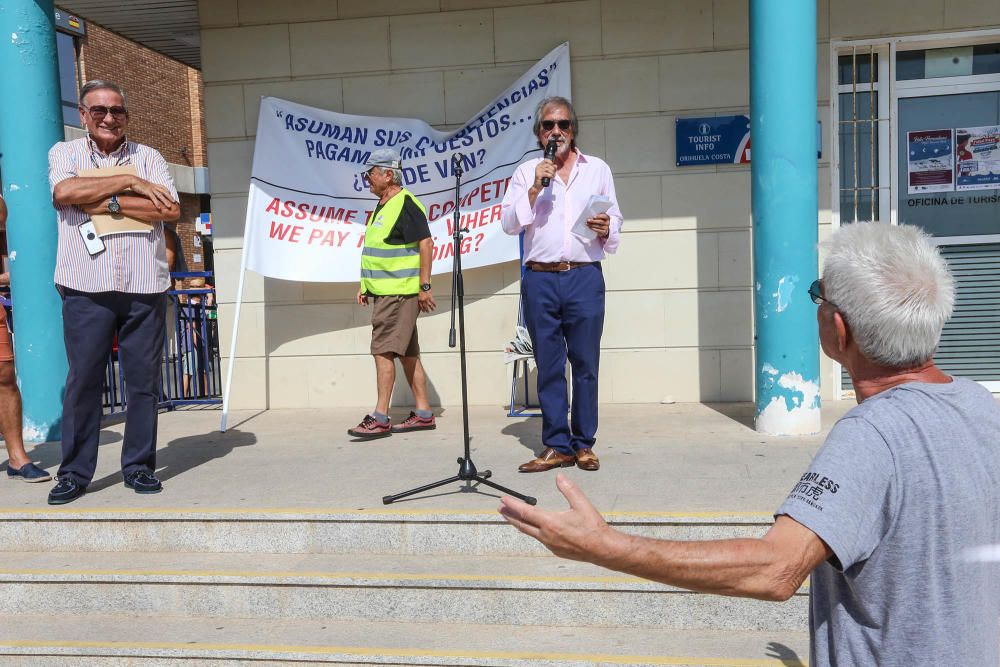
(389, 269)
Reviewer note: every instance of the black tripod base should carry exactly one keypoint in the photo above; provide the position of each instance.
(466, 473)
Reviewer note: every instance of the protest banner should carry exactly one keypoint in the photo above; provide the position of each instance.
(309, 201)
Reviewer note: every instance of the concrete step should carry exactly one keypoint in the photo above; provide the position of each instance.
(117, 641)
(424, 532)
(523, 590)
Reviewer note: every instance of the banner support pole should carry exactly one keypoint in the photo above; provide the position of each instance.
(236, 317)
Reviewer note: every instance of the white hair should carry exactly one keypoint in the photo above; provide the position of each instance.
(893, 289)
(101, 84)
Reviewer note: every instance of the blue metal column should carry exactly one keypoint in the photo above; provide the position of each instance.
(785, 207)
(29, 84)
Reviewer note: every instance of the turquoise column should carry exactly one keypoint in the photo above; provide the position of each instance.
(785, 207)
(29, 86)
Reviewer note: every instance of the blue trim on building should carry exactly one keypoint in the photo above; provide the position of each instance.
(784, 202)
(30, 84)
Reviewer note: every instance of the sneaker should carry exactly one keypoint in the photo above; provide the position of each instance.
(415, 423)
(370, 428)
(29, 472)
(143, 481)
(66, 490)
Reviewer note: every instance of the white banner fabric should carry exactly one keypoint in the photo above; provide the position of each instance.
(309, 202)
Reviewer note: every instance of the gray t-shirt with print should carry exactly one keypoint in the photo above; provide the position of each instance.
(906, 493)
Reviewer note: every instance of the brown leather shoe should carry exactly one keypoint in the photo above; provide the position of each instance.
(547, 460)
(586, 459)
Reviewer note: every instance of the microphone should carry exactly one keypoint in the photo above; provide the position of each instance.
(550, 155)
(456, 162)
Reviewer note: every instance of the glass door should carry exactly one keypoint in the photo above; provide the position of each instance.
(947, 181)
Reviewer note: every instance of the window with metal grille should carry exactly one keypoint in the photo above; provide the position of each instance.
(886, 91)
(862, 117)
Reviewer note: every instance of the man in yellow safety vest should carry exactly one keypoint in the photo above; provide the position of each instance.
(396, 278)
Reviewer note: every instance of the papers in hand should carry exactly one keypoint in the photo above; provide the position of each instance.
(519, 348)
(597, 204)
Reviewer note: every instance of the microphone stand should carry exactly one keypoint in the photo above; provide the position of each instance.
(466, 468)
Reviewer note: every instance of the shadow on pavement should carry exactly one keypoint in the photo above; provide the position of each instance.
(787, 656)
(185, 453)
(741, 413)
(528, 432)
(48, 455)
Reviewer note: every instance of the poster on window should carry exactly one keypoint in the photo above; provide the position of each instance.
(929, 161)
(977, 158)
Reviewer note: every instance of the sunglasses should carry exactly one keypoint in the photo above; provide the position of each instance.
(99, 112)
(564, 125)
(815, 293)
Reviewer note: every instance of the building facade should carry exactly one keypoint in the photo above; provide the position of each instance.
(679, 323)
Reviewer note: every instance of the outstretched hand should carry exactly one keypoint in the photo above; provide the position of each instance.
(579, 533)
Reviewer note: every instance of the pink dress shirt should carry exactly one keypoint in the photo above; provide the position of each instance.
(547, 228)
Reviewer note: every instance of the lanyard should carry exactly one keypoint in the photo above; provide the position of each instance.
(124, 158)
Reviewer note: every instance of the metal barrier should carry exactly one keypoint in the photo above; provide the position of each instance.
(192, 374)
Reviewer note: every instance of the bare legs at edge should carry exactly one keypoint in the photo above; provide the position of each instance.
(385, 371)
(10, 416)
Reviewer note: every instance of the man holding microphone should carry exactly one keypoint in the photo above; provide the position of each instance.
(563, 287)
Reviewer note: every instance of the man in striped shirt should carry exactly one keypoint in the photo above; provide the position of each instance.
(115, 290)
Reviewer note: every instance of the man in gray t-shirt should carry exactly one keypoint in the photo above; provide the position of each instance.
(897, 515)
(905, 488)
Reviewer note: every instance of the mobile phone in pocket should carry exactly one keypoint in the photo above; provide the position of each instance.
(95, 245)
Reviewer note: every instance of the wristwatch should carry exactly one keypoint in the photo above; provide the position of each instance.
(114, 208)
(425, 287)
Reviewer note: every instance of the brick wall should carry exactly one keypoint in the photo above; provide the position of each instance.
(165, 109)
(196, 96)
(190, 208)
(160, 93)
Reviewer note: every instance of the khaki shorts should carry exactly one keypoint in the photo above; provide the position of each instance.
(394, 325)
(6, 347)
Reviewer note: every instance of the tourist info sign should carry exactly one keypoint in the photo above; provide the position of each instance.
(717, 140)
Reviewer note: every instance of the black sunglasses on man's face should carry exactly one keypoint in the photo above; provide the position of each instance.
(98, 112)
(547, 125)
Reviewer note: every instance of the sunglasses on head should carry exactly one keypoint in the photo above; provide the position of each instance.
(564, 125)
(99, 112)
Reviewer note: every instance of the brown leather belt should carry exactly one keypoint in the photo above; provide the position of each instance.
(555, 267)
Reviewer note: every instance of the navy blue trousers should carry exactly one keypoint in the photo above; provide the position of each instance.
(90, 322)
(564, 313)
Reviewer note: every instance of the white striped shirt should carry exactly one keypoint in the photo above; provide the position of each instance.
(133, 262)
